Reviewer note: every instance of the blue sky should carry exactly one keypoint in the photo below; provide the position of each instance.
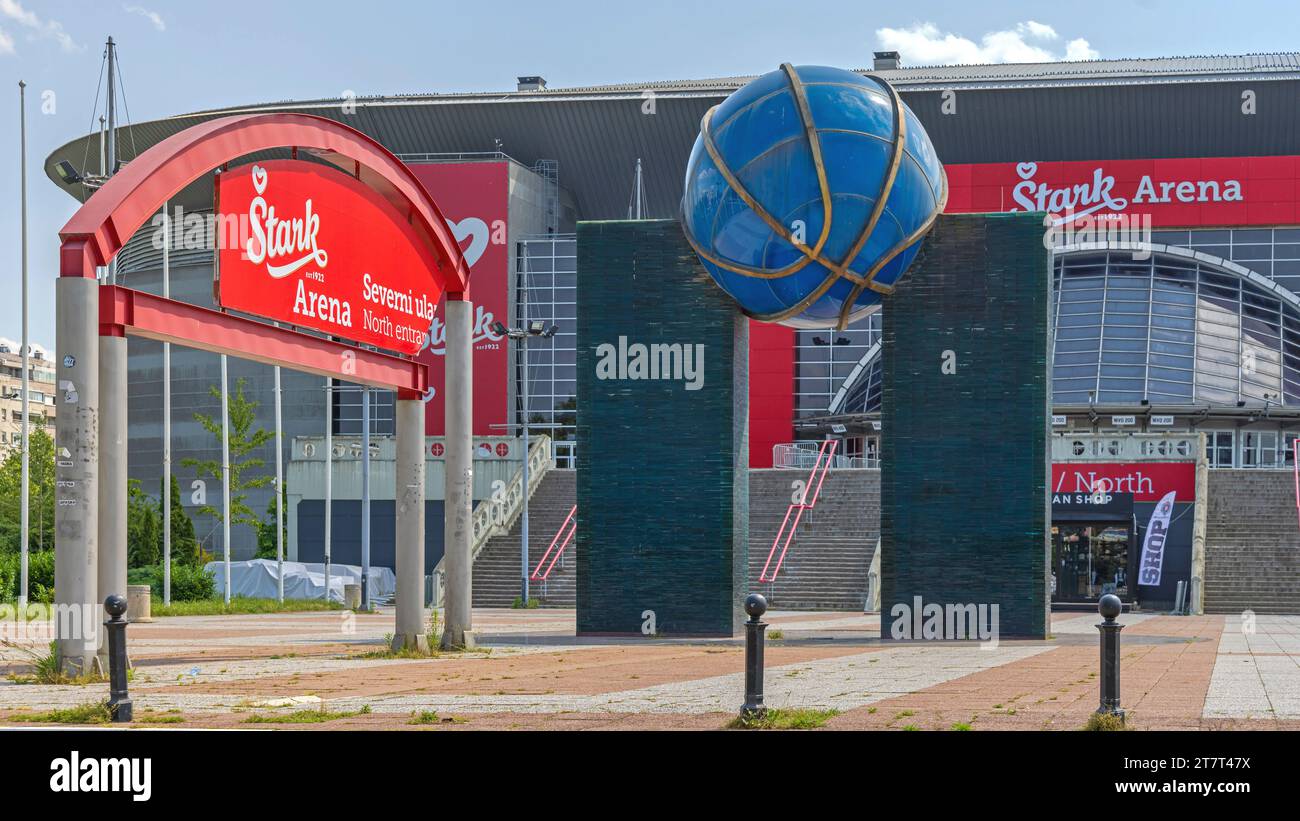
(179, 57)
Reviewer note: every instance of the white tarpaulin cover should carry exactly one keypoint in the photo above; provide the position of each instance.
(256, 578)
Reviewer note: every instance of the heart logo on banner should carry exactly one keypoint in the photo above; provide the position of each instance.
(259, 179)
(1026, 170)
(477, 230)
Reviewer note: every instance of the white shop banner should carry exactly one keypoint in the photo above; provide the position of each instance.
(1153, 546)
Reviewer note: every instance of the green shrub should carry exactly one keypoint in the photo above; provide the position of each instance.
(189, 582)
(40, 576)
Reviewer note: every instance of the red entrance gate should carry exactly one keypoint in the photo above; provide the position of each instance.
(93, 321)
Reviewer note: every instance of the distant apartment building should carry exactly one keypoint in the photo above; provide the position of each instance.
(40, 404)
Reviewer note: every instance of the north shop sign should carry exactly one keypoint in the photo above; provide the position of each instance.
(1172, 192)
(319, 249)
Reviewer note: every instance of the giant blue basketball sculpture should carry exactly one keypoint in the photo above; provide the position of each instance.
(808, 192)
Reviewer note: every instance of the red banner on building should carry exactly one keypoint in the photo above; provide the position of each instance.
(1219, 191)
(1147, 481)
(475, 199)
(308, 245)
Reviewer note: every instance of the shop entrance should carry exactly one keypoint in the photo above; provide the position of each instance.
(1090, 560)
(1092, 546)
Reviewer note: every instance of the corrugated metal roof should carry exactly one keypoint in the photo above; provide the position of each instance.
(1104, 109)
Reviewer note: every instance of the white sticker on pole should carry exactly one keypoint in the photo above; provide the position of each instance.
(1153, 546)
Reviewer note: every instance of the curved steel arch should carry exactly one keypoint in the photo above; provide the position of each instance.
(102, 226)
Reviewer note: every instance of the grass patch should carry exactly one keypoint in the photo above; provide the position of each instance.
(784, 719)
(775, 635)
(93, 713)
(424, 717)
(163, 719)
(1105, 722)
(520, 604)
(241, 605)
(911, 728)
(960, 726)
(46, 669)
(304, 716)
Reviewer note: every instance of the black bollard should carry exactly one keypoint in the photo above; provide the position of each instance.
(119, 700)
(755, 633)
(1109, 606)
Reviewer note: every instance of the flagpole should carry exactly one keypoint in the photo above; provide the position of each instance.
(26, 453)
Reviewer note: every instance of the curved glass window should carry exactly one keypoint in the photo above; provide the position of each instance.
(864, 394)
(1171, 329)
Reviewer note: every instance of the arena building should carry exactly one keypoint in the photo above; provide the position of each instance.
(1174, 185)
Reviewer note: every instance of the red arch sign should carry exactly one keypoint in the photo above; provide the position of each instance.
(418, 248)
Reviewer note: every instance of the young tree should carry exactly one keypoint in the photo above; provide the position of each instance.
(245, 439)
(266, 528)
(143, 527)
(185, 547)
(41, 499)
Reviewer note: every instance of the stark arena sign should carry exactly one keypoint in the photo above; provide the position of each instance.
(318, 249)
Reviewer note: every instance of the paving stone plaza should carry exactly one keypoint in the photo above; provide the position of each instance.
(1196, 672)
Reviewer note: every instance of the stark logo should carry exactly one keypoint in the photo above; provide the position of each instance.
(274, 237)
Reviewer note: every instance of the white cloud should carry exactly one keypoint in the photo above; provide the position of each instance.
(925, 44)
(53, 29)
(152, 16)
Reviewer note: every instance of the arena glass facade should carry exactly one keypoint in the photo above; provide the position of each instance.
(1024, 136)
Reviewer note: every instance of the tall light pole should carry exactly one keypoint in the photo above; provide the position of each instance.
(225, 473)
(329, 475)
(534, 327)
(365, 497)
(26, 469)
(167, 415)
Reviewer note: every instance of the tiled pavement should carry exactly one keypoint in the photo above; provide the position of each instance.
(1177, 672)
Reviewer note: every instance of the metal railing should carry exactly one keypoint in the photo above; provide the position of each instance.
(825, 457)
(803, 455)
(1295, 464)
(567, 530)
(495, 516)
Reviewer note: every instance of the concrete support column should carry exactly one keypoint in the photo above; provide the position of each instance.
(76, 467)
(1196, 597)
(112, 474)
(458, 522)
(411, 631)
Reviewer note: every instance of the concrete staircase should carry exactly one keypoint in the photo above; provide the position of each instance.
(828, 560)
(496, 569)
(1252, 543)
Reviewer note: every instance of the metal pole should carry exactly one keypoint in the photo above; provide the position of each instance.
(112, 133)
(523, 393)
(755, 606)
(119, 699)
(329, 475)
(167, 415)
(225, 473)
(279, 495)
(1109, 606)
(26, 457)
(365, 497)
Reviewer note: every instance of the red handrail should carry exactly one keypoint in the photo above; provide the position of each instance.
(538, 575)
(827, 450)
